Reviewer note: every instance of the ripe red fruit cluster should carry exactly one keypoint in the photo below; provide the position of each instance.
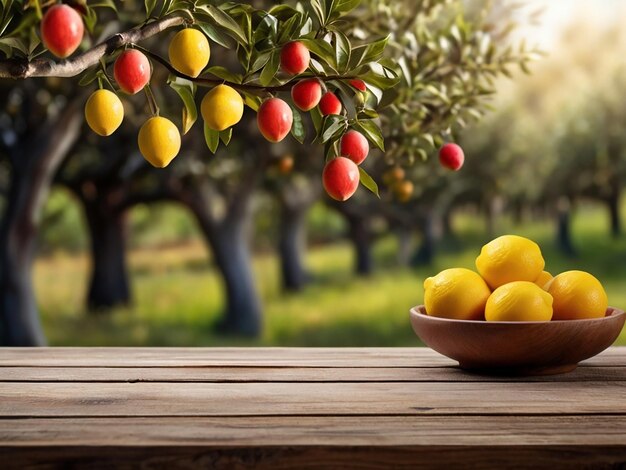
(451, 156)
(340, 178)
(294, 58)
(132, 71)
(62, 30)
(274, 119)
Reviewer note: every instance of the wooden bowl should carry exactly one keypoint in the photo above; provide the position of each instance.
(518, 348)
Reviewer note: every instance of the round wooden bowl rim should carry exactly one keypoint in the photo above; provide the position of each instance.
(417, 312)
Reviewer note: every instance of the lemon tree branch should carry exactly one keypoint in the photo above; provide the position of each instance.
(19, 69)
(204, 81)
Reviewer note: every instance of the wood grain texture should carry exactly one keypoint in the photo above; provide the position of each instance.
(33, 399)
(302, 408)
(290, 374)
(609, 430)
(236, 357)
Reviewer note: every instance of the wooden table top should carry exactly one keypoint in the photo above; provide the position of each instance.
(302, 408)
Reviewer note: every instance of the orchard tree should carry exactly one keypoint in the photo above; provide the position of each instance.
(275, 50)
(449, 54)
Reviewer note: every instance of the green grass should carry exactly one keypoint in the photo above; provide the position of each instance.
(178, 295)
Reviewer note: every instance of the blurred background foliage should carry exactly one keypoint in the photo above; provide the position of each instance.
(546, 161)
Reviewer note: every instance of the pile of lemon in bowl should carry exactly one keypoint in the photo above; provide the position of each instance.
(511, 285)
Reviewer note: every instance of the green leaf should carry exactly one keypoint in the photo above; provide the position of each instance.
(216, 35)
(319, 11)
(150, 5)
(89, 76)
(225, 21)
(186, 90)
(267, 29)
(317, 118)
(259, 61)
(344, 6)
(103, 4)
(251, 100)
(225, 135)
(333, 126)
(366, 180)
(91, 19)
(221, 72)
(372, 132)
(368, 52)
(297, 128)
(212, 138)
(15, 43)
(270, 69)
(342, 50)
(289, 27)
(321, 49)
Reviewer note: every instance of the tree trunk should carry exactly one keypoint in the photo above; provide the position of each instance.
(228, 242)
(564, 235)
(242, 315)
(108, 285)
(20, 319)
(614, 214)
(405, 243)
(361, 238)
(33, 169)
(426, 252)
(291, 247)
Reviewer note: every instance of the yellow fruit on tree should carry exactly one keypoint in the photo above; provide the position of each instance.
(104, 112)
(159, 141)
(510, 258)
(189, 52)
(456, 293)
(221, 108)
(543, 279)
(519, 301)
(577, 295)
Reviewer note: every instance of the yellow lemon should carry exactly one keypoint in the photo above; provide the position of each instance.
(189, 52)
(456, 293)
(159, 141)
(519, 301)
(104, 112)
(544, 278)
(221, 108)
(510, 258)
(577, 295)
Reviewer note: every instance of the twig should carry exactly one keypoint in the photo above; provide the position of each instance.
(16, 68)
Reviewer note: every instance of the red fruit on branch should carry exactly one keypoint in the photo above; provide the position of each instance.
(451, 156)
(294, 58)
(306, 94)
(358, 84)
(62, 30)
(354, 145)
(132, 71)
(340, 178)
(274, 119)
(330, 104)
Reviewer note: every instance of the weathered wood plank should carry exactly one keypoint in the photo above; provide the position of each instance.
(30, 399)
(371, 457)
(607, 430)
(289, 374)
(269, 357)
